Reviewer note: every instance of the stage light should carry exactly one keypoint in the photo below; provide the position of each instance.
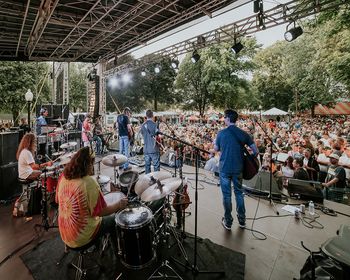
(237, 47)
(157, 69)
(143, 73)
(175, 64)
(293, 33)
(126, 78)
(195, 56)
(113, 82)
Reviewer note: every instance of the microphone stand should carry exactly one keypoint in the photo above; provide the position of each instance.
(194, 268)
(270, 181)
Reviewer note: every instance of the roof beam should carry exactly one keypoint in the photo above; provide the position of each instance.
(22, 28)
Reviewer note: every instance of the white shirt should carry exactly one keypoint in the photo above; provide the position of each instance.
(24, 161)
(322, 157)
(345, 160)
(287, 172)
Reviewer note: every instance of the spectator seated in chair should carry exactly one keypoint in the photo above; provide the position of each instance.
(300, 173)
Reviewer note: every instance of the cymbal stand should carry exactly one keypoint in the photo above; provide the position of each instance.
(45, 219)
(194, 268)
(160, 273)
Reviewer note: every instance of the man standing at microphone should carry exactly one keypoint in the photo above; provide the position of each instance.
(151, 147)
(229, 142)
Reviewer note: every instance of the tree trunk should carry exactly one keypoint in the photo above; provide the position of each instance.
(15, 114)
(313, 110)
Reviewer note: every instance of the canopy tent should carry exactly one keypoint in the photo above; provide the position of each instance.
(341, 108)
(274, 112)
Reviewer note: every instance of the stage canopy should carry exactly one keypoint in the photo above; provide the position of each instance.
(274, 112)
(341, 108)
(87, 30)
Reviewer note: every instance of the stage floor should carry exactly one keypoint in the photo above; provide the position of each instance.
(280, 256)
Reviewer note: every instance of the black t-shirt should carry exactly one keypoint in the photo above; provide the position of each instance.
(123, 122)
(338, 172)
(301, 174)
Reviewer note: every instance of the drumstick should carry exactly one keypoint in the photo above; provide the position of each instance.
(132, 180)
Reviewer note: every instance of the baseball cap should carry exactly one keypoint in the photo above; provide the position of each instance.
(335, 156)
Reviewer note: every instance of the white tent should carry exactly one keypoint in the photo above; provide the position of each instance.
(274, 112)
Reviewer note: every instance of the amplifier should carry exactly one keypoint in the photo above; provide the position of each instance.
(8, 147)
(9, 186)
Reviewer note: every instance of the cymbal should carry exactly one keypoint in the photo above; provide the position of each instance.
(101, 179)
(145, 181)
(156, 192)
(68, 145)
(58, 153)
(58, 130)
(114, 160)
(58, 120)
(66, 158)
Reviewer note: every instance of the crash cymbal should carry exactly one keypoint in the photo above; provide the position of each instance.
(145, 181)
(66, 158)
(68, 145)
(161, 189)
(101, 179)
(114, 160)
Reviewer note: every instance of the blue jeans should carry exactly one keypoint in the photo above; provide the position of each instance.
(124, 148)
(154, 158)
(98, 144)
(225, 183)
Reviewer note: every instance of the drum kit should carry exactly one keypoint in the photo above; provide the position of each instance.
(138, 228)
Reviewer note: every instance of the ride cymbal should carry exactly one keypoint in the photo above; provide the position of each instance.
(147, 180)
(68, 145)
(161, 189)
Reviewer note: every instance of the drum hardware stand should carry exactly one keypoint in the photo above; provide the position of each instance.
(194, 268)
(270, 198)
(45, 219)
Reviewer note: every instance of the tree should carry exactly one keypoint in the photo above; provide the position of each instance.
(16, 78)
(78, 86)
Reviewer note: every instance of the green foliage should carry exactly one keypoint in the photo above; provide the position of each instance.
(78, 86)
(16, 78)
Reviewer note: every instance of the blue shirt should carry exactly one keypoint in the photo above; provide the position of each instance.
(148, 131)
(231, 159)
(39, 123)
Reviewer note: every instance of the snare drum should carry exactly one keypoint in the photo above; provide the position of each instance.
(135, 232)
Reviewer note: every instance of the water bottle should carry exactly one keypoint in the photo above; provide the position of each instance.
(311, 208)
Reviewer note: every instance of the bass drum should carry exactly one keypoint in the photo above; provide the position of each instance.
(135, 232)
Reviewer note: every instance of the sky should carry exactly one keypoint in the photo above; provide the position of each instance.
(236, 11)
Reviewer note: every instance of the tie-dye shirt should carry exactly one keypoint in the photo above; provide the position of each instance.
(80, 203)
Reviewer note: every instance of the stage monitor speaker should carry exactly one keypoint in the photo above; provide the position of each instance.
(60, 111)
(168, 158)
(8, 147)
(9, 185)
(305, 190)
(260, 183)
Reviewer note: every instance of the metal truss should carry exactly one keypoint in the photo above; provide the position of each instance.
(88, 30)
(280, 14)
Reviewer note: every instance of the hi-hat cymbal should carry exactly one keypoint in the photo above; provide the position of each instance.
(114, 160)
(58, 120)
(164, 188)
(58, 154)
(68, 145)
(145, 181)
(101, 179)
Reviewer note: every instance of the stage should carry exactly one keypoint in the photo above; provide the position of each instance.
(280, 256)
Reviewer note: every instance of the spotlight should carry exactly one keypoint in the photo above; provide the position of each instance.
(237, 47)
(126, 78)
(143, 73)
(293, 33)
(157, 69)
(175, 64)
(195, 56)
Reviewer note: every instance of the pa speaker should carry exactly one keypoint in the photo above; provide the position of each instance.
(8, 147)
(9, 186)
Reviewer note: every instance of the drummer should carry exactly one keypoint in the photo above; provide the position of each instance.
(83, 212)
(41, 120)
(27, 168)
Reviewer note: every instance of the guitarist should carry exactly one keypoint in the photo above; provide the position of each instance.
(151, 147)
(125, 134)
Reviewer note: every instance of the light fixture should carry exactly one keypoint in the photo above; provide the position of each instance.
(143, 73)
(293, 33)
(157, 69)
(175, 64)
(195, 56)
(237, 47)
(29, 96)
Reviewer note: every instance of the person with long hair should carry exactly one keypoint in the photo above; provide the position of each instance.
(27, 168)
(83, 212)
